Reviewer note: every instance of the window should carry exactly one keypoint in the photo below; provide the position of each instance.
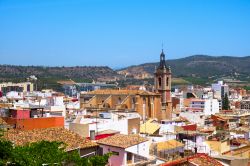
(100, 151)
(167, 81)
(28, 87)
(129, 156)
(159, 81)
(115, 153)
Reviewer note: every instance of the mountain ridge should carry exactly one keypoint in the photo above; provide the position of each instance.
(209, 68)
(199, 65)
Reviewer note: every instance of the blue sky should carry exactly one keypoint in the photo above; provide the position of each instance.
(120, 33)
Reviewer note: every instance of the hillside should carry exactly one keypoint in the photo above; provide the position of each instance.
(48, 76)
(199, 66)
(87, 72)
(198, 69)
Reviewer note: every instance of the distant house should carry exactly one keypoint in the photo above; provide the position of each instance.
(17, 87)
(245, 104)
(126, 149)
(106, 121)
(21, 119)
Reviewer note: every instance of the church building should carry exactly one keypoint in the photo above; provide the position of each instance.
(162, 85)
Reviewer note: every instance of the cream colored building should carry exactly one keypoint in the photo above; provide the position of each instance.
(18, 87)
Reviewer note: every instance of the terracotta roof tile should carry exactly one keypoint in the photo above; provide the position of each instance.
(122, 141)
(71, 139)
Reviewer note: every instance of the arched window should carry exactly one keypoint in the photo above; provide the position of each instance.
(167, 81)
(159, 81)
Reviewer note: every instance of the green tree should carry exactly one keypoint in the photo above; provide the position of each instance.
(100, 160)
(39, 153)
(45, 152)
(5, 151)
(225, 102)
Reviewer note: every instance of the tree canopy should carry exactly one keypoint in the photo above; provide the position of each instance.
(225, 102)
(45, 153)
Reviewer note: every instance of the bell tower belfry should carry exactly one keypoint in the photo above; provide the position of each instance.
(162, 85)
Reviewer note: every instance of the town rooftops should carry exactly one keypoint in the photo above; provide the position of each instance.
(219, 117)
(204, 160)
(241, 130)
(72, 140)
(199, 159)
(122, 141)
(121, 92)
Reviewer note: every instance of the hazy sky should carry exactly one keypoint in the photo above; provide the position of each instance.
(119, 33)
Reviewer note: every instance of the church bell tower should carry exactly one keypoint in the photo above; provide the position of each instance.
(162, 85)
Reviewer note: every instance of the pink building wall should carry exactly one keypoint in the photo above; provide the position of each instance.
(115, 160)
(20, 114)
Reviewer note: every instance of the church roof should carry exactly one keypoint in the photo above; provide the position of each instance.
(121, 92)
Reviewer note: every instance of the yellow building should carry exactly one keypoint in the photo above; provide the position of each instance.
(220, 147)
(150, 127)
(19, 87)
(147, 104)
